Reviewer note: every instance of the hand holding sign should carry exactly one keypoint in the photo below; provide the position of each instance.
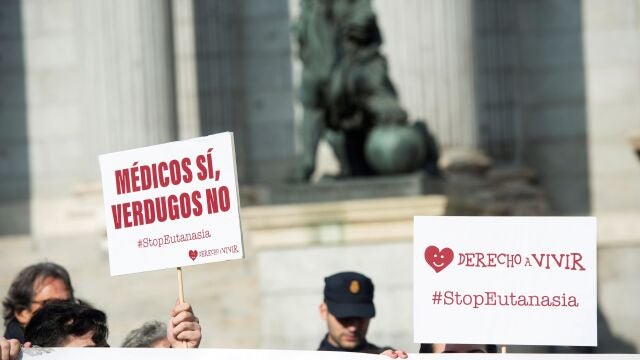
(9, 349)
(173, 205)
(184, 328)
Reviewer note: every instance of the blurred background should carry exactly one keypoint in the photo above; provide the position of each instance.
(547, 89)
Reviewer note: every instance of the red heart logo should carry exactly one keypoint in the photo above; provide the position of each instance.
(193, 254)
(438, 259)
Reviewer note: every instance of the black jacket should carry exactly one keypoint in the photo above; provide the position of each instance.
(364, 347)
(14, 331)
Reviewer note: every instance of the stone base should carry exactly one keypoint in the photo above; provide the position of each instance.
(354, 188)
(338, 222)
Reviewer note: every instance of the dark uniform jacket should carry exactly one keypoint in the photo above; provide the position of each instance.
(364, 347)
(14, 331)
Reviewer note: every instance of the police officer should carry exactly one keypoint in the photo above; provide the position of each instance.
(347, 309)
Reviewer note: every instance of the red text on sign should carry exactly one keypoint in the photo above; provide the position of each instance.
(172, 207)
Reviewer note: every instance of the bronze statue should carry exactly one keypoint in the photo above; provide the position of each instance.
(346, 92)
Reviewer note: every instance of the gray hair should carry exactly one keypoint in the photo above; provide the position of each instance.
(146, 335)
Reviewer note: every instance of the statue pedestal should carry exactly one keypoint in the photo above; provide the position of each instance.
(373, 187)
(337, 222)
(346, 211)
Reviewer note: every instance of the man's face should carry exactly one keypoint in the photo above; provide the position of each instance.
(345, 333)
(44, 289)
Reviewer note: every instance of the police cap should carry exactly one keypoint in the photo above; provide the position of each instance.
(349, 294)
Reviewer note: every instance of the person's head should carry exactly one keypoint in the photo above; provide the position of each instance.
(33, 287)
(356, 22)
(67, 324)
(152, 334)
(347, 308)
(458, 348)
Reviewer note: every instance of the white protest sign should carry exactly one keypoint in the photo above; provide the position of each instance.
(251, 354)
(172, 205)
(505, 280)
(190, 354)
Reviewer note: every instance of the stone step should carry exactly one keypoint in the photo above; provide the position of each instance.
(339, 222)
(352, 211)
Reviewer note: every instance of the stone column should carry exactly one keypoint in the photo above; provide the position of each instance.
(429, 48)
(186, 72)
(99, 78)
(128, 67)
(220, 74)
(14, 151)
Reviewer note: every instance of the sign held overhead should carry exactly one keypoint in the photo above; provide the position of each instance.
(172, 205)
(505, 280)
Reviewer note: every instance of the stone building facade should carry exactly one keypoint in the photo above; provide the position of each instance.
(547, 84)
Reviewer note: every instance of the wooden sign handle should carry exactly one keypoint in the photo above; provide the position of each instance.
(180, 293)
(180, 288)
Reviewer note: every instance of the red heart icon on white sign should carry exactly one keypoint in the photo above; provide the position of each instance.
(438, 259)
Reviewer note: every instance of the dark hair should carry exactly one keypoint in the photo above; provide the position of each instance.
(146, 335)
(21, 292)
(428, 348)
(56, 320)
(492, 348)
